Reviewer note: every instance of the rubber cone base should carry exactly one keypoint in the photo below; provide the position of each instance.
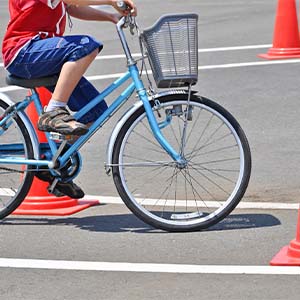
(53, 206)
(288, 255)
(281, 53)
(40, 202)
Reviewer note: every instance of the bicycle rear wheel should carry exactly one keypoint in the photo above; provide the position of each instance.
(15, 179)
(182, 198)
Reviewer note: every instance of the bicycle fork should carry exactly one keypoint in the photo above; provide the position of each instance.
(142, 93)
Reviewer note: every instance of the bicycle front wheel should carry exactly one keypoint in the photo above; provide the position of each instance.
(15, 179)
(186, 197)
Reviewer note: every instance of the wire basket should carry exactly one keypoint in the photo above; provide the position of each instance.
(172, 48)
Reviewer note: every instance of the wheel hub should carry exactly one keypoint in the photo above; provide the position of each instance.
(182, 164)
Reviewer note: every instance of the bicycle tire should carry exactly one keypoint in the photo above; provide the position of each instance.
(140, 193)
(15, 179)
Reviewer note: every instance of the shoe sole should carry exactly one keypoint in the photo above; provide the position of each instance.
(75, 131)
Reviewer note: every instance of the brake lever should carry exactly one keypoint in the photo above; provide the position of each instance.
(132, 25)
(129, 19)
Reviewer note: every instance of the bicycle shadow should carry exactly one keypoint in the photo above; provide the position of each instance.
(246, 221)
(130, 223)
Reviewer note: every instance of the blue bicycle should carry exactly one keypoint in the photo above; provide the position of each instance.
(180, 162)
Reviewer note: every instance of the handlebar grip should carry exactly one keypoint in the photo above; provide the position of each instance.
(122, 5)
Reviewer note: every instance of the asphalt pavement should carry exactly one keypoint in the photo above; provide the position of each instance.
(263, 96)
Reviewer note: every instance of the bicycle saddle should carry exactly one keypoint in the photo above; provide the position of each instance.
(31, 83)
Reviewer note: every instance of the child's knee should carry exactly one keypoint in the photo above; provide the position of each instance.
(94, 53)
(85, 46)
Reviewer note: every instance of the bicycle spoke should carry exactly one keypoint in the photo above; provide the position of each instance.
(216, 169)
(196, 151)
(192, 178)
(217, 150)
(194, 126)
(193, 189)
(169, 190)
(10, 170)
(210, 180)
(148, 140)
(150, 175)
(213, 172)
(202, 133)
(218, 160)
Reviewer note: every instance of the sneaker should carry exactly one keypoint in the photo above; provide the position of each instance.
(62, 188)
(70, 189)
(60, 120)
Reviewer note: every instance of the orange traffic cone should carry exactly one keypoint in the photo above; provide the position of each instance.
(289, 255)
(38, 200)
(286, 41)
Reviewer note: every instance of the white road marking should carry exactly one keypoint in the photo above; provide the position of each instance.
(10, 88)
(217, 49)
(234, 48)
(180, 203)
(208, 67)
(7, 192)
(145, 267)
(242, 204)
(250, 64)
(205, 50)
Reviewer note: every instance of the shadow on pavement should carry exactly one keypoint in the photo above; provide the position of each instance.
(128, 222)
(244, 221)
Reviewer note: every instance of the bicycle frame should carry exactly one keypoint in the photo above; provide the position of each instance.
(136, 84)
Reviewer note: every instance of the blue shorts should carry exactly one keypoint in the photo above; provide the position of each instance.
(45, 57)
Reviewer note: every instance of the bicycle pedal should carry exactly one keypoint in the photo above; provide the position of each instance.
(52, 189)
(60, 137)
(55, 192)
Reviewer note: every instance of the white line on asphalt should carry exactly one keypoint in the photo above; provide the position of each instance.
(10, 88)
(218, 49)
(182, 203)
(208, 67)
(242, 204)
(249, 47)
(145, 267)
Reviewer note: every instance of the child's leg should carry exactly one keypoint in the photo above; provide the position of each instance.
(70, 75)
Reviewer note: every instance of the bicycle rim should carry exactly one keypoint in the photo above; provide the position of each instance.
(15, 179)
(196, 196)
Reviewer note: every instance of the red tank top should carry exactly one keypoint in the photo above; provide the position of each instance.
(29, 18)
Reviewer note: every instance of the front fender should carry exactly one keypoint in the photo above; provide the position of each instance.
(28, 125)
(125, 117)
